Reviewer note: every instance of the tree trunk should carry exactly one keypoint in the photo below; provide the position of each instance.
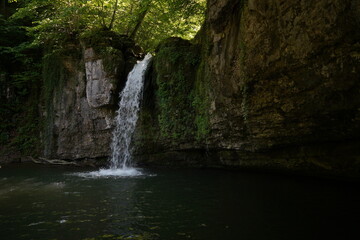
(140, 18)
(113, 15)
(3, 8)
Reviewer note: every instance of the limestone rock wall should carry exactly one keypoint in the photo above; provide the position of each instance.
(284, 72)
(279, 81)
(99, 85)
(79, 120)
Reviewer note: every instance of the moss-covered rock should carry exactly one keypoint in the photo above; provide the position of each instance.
(274, 79)
(168, 113)
(175, 64)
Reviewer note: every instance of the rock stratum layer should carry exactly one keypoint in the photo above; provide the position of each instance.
(271, 84)
(80, 113)
(266, 84)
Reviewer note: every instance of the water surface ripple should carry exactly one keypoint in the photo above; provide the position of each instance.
(59, 203)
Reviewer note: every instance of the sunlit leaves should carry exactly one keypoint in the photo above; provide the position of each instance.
(60, 21)
(180, 18)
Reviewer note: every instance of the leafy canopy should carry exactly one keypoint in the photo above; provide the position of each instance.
(58, 22)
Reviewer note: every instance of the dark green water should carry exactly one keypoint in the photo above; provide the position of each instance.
(39, 202)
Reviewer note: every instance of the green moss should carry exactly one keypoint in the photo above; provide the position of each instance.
(54, 77)
(100, 39)
(183, 90)
(201, 103)
(114, 49)
(27, 139)
(113, 60)
(20, 132)
(176, 64)
(202, 89)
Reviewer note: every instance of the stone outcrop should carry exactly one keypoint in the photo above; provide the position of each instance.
(79, 120)
(275, 86)
(99, 86)
(266, 84)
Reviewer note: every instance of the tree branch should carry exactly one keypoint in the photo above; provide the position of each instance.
(140, 18)
(113, 15)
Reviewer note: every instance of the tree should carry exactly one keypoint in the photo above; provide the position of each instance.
(20, 80)
(113, 15)
(28, 27)
(144, 8)
(3, 7)
(149, 21)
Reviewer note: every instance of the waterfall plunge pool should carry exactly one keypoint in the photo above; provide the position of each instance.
(112, 173)
(39, 202)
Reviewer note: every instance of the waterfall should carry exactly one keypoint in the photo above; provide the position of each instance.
(127, 116)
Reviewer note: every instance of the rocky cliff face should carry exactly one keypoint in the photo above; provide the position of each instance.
(268, 84)
(79, 118)
(275, 85)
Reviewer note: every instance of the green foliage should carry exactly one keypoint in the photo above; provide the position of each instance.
(183, 90)
(112, 59)
(19, 87)
(59, 26)
(176, 63)
(109, 46)
(55, 23)
(6, 123)
(174, 18)
(201, 101)
(27, 138)
(201, 105)
(59, 22)
(105, 38)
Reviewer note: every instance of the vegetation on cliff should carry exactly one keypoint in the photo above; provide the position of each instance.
(41, 35)
(176, 62)
(20, 77)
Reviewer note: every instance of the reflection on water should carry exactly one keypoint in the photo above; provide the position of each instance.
(55, 203)
(11, 187)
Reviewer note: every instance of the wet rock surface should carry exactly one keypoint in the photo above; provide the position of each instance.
(281, 83)
(80, 121)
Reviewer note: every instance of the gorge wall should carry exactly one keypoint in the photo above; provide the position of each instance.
(266, 84)
(81, 107)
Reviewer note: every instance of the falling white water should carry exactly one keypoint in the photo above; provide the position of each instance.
(125, 123)
(127, 116)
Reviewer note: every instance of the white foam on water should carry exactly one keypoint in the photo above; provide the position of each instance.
(127, 116)
(125, 123)
(34, 224)
(111, 173)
